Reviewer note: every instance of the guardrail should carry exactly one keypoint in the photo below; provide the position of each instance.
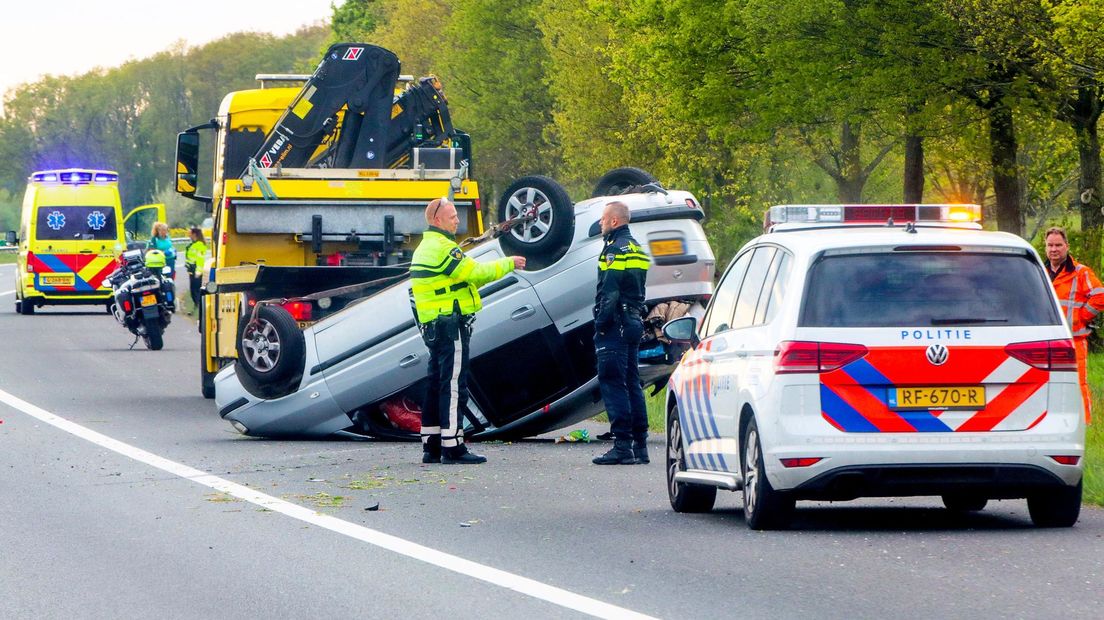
(9, 249)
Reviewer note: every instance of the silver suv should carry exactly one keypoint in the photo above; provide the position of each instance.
(533, 364)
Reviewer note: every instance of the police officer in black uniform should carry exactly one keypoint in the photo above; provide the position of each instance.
(618, 326)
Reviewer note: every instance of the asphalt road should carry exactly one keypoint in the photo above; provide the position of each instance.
(104, 516)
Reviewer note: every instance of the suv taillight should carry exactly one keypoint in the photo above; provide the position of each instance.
(1045, 354)
(793, 356)
(299, 310)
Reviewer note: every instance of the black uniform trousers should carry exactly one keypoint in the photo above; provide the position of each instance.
(446, 397)
(618, 353)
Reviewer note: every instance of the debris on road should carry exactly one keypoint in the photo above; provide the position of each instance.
(580, 434)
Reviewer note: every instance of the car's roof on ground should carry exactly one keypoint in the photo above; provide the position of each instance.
(837, 237)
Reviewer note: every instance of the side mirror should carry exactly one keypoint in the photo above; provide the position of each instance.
(683, 330)
(187, 162)
(11, 238)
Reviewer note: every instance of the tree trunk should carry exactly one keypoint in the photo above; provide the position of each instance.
(1088, 147)
(914, 169)
(849, 185)
(1006, 178)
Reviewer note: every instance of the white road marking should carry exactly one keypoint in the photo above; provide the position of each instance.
(7, 292)
(482, 572)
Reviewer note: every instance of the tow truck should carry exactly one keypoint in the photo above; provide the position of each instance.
(318, 187)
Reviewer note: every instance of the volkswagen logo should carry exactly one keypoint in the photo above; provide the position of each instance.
(937, 354)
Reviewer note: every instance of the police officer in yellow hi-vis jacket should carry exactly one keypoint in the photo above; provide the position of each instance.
(444, 288)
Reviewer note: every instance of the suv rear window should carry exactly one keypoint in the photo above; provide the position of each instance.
(913, 289)
(75, 224)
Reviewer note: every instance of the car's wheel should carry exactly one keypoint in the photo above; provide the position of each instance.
(684, 497)
(25, 307)
(958, 502)
(271, 353)
(154, 338)
(1055, 507)
(544, 239)
(618, 180)
(764, 508)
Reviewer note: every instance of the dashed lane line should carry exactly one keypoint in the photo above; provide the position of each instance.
(482, 572)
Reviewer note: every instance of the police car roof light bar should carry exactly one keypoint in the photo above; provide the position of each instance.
(866, 214)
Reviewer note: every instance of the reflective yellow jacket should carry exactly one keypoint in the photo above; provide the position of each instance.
(443, 276)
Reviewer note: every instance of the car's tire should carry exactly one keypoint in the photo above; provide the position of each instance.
(265, 370)
(684, 497)
(1055, 507)
(26, 307)
(959, 502)
(544, 240)
(618, 180)
(154, 338)
(764, 507)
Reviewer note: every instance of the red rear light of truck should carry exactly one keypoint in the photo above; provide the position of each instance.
(793, 356)
(1045, 354)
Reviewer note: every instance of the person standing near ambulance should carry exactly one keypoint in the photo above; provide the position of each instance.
(618, 327)
(1082, 298)
(444, 290)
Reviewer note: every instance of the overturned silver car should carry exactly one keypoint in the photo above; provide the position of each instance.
(533, 366)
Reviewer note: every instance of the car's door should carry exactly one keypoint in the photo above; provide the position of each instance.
(515, 351)
(730, 373)
(696, 387)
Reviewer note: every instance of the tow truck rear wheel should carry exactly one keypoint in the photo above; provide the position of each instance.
(206, 379)
(616, 181)
(271, 353)
(685, 497)
(543, 240)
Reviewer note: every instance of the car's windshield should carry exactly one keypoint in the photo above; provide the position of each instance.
(895, 289)
(76, 224)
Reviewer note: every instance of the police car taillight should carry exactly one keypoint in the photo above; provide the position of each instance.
(794, 356)
(858, 214)
(1045, 354)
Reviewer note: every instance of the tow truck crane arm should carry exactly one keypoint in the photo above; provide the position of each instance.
(378, 129)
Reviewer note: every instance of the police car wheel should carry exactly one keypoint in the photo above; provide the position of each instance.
(271, 353)
(1055, 507)
(545, 238)
(616, 181)
(684, 497)
(764, 507)
(957, 502)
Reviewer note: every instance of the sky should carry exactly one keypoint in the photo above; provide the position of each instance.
(70, 37)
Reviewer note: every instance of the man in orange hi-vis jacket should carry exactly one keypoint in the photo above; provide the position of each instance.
(1082, 299)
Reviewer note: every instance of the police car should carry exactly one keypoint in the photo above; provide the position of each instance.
(878, 350)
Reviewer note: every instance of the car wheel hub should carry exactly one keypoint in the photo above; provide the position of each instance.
(530, 202)
(261, 346)
(674, 457)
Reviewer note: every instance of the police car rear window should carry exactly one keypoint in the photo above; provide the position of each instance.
(897, 289)
(75, 224)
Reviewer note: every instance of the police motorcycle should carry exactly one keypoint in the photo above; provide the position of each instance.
(145, 296)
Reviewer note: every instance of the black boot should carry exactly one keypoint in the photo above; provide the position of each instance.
(460, 456)
(431, 449)
(640, 451)
(620, 454)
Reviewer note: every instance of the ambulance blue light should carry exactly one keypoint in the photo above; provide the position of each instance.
(106, 178)
(45, 178)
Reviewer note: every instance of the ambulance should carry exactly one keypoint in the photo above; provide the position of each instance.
(876, 351)
(71, 231)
